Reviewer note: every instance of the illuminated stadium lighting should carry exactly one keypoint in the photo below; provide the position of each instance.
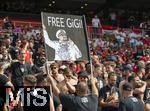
(82, 7)
(53, 1)
(85, 4)
(50, 4)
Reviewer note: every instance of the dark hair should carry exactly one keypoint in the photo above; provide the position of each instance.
(54, 64)
(112, 74)
(83, 74)
(72, 64)
(41, 77)
(127, 87)
(31, 79)
(131, 78)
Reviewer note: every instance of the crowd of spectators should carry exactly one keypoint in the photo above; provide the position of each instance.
(19, 7)
(125, 18)
(119, 79)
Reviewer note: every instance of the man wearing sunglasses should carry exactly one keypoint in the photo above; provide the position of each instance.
(54, 71)
(83, 76)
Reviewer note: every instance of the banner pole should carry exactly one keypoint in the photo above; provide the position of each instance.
(46, 66)
(87, 35)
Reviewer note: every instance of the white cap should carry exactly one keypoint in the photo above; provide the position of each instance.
(60, 32)
(63, 67)
(146, 35)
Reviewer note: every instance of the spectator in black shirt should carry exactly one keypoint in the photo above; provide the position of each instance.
(15, 49)
(109, 94)
(130, 103)
(19, 69)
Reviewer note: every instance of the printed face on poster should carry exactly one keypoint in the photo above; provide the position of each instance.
(65, 37)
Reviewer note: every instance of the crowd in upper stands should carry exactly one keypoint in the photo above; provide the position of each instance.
(124, 18)
(18, 6)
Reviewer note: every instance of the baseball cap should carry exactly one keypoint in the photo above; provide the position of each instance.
(127, 87)
(83, 74)
(63, 67)
(128, 67)
(60, 32)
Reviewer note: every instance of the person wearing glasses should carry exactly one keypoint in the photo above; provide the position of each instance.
(54, 72)
(83, 76)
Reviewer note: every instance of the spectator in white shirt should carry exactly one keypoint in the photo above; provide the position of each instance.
(96, 25)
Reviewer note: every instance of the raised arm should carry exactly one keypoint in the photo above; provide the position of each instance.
(70, 87)
(47, 39)
(56, 91)
(51, 104)
(94, 88)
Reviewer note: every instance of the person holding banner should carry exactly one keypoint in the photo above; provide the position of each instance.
(65, 48)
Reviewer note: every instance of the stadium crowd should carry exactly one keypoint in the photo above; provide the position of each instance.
(118, 79)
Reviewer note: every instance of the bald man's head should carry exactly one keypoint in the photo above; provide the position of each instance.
(82, 88)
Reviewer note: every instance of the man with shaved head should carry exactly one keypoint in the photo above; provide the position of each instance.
(82, 89)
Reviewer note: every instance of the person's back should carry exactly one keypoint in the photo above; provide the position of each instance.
(131, 104)
(79, 103)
